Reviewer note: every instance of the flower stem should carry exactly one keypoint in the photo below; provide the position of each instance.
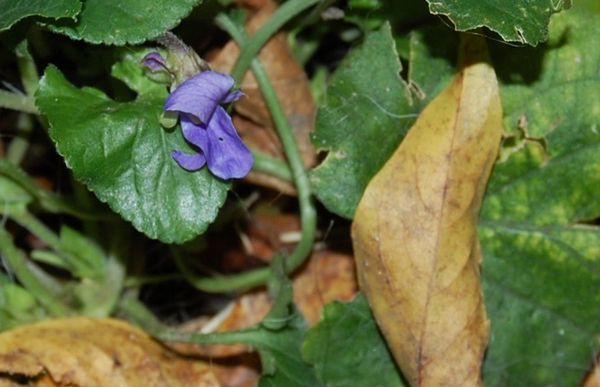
(30, 79)
(136, 312)
(307, 210)
(272, 166)
(250, 50)
(29, 74)
(133, 281)
(18, 102)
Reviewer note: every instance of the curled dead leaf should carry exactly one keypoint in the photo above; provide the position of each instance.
(95, 352)
(415, 231)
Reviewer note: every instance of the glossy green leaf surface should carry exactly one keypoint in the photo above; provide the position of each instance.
(122, 22)
(346, 348)
(366, 113)
(120, 151)
(523, 21)
(11, 11)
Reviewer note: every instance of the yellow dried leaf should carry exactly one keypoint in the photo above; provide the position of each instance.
(415, 231)
(95, 352)
(593, 377)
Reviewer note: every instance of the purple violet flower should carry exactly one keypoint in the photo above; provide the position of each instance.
(154, 61)
(207, 125)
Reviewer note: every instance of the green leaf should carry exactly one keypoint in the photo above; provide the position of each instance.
(371, 14)
(588, 5)
(15, 10)
(13, 198)
(17, 305)
(85, 256)
(98, 297)
(523, 21)
(123, 155)
(121, 22)
(347, 349)
(433, 55)
(280, 355)
(367, 112)
(541, 260)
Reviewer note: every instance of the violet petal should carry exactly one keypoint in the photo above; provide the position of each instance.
(154, 61)
(190, 162)
(193, 132)
(233, 96)
(226, 155)
(200, 95)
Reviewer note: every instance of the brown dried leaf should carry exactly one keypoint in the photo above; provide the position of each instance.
(95, 352)
(328, 277)
(239, 371)
(415, 231)
(291, 85)
(270, 233)
(593, 377)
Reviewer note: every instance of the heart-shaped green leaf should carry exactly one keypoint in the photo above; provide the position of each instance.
(120, 151)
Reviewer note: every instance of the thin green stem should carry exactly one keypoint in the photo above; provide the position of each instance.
(271, 166)
(221, 283)
(307, 211)
(18, 263)
(315, 14)
(29, 78)
(244, 336)
(37, 228)
(250, 50)
(29, 74)
(18, 146)
(18, 102)
(135, 311)
(136, 281)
